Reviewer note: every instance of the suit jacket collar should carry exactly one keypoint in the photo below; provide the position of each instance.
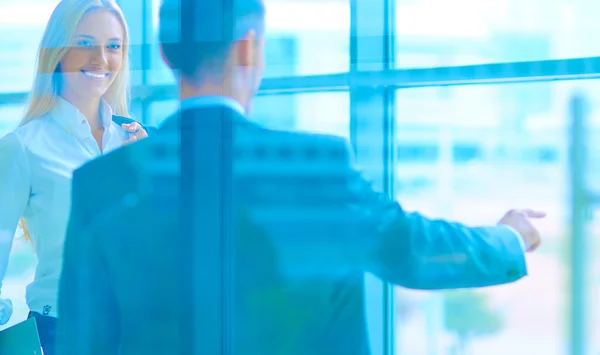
(172, 122)
(214, 100)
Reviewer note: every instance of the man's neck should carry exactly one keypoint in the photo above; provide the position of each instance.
(187, 91)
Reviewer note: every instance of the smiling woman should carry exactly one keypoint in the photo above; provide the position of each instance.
(82, 80)
(69, 48)
(91, 65)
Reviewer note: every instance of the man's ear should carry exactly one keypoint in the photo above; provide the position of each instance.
(163, 56)
(245, 50)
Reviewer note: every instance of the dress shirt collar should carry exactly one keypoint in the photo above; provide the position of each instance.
(69, 117)
(199, 101)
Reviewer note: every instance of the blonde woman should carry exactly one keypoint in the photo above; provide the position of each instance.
(82, 81)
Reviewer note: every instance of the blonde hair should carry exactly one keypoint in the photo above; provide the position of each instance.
(56, 41)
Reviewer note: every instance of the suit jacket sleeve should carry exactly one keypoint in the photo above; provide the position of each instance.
(88, 316)
(121, 120)
(413, 251)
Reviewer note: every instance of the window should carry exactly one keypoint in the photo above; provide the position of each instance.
(493, 155)
(305, 37)
(320, 31)
(160, 73)
(28, 19)
(297, 111)
(160, 110)
(432, 33)
(459, 152)
(10, 116)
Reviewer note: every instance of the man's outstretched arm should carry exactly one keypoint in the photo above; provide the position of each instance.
(417, 252)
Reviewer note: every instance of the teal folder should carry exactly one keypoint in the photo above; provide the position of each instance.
(21, 339)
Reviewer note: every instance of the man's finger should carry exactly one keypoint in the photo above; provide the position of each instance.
(534, 246)
(534, 214)
(131, 140)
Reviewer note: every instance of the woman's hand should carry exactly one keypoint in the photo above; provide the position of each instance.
(6, 310)
(136, 132)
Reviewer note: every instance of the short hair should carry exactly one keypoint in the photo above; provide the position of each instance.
(217, 25)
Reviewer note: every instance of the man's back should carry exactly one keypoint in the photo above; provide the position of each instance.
(286, 188)
(306, 227)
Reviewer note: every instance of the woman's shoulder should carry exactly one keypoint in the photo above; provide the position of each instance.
(13, 144)
(26, 132)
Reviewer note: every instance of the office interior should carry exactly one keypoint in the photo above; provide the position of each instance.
(461, 110)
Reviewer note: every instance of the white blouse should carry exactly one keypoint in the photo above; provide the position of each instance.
(36, 164)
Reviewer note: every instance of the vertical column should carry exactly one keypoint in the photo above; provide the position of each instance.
(207, 315)
(579, 207)
(372, 132)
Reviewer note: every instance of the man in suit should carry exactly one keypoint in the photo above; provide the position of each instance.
(306, 225)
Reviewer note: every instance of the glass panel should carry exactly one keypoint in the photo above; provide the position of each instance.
(433, 33)
(470, 154)
(160, 110)
(10, 116)
(297, 112)
(159, 73)
(294, 45)
(28, 18)
(136, 112)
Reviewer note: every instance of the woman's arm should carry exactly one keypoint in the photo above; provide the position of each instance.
(15, 182)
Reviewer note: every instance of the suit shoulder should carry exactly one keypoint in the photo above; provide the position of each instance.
(106, 180)
(98, 166)
(307, 143)
(303, 137)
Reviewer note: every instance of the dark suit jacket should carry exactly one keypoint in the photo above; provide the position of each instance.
(307, 227)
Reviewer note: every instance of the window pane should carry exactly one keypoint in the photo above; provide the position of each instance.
(28, 18)
(10, 116)
(307, 37)
(160, 110)
(441, 33)
(297, 112)
(470, 154)
(304, 37)
(160, 73)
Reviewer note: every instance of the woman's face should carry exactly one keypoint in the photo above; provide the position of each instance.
(91, 65)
